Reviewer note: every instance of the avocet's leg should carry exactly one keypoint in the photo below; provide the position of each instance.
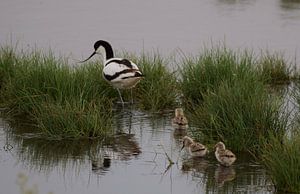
(131, 96)
(120, 97)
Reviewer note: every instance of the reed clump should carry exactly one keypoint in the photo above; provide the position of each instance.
(274, 69)
(239, 114)
(281, 157)
(205, 72)
(228, 99)
(158, 91)
(296, 95)
(60, 100)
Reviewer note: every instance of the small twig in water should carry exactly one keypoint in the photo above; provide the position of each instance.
(154, 156)
(178, 157)
(168, 168)
(168, 157)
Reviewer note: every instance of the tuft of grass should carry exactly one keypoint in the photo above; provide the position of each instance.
(159, 89)
(296, 94)
(239, 114)
(228, 99)
(73, 119)
(7, 56)
(296, 99)
(204, 73)
(60, 100)
(274, 69)
(282, 160)
(72, 102)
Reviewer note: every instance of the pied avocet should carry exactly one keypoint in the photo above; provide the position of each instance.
(120, 73)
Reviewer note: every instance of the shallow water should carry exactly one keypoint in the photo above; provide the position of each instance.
(133, 161)
(71, 27)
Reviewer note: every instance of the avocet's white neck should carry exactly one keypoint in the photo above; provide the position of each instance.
(101, 51)
(103, 48)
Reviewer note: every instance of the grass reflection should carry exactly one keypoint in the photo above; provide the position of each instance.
(46, 155)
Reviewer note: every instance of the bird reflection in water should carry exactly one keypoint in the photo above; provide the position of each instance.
(179, 122)
(101, 165)
(122, 147)
(224, 174)
(178, 134)
(126, 146)
(195, 164)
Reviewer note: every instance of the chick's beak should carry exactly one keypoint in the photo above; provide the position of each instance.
(182, 146)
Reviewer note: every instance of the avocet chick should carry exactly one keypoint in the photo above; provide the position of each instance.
(195, 149)
(179, 121)
(224, 156)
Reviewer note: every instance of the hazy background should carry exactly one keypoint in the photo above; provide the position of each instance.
(70, 27)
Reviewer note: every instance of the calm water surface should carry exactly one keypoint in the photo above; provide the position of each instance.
(133, 162)
(71, 27)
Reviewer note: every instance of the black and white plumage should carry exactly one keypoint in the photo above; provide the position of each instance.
(120, 73)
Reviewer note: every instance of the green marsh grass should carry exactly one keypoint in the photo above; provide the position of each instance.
(296, 98)
(60, 100)
(73, 119)
(239, 114)
(72, 102)
(7, 56)
(41, 86)
(274, 68)
(296, 95)
(203, 73)
(282, 160)
(158, 91)
(228, 99)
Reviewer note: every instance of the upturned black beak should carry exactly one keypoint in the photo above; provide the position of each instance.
(89, 57)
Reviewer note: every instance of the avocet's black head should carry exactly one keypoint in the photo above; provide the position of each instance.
(102, 47)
